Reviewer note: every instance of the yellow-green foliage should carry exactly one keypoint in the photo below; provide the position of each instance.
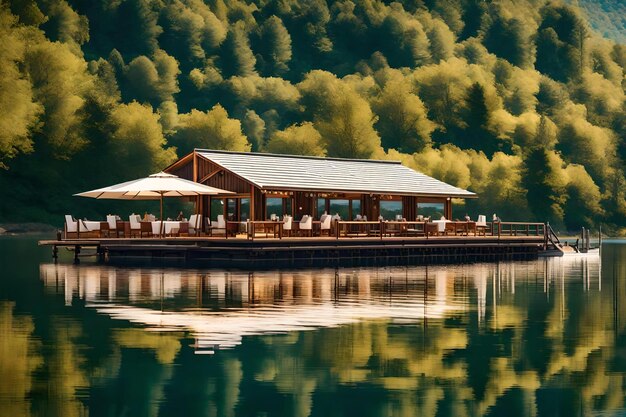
(211, 130)
(473, 93)
(297, 140)
(138, 139)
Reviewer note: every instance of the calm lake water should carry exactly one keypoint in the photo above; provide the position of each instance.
(541, 338)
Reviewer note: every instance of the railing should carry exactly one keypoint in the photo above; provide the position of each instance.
(517, 229)
(384, 229)
(357, 228)
(341, 229)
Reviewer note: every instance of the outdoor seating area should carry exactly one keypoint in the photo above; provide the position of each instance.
(286, 227)
(135, 227)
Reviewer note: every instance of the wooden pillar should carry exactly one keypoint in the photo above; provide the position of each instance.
(251, 216)
(408, 208)
(448, 208)
(194, 176)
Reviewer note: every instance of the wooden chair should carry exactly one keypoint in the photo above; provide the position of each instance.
(432, 228)
(183, 229)
(481, 225)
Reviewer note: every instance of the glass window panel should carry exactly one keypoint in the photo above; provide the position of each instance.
(287, 206)
(390, 209)
(217, 207)
(432, 210)
(340, 207)
(321, 206)
(244, 208)
(232, 209)
(274, 206)
(356, 208)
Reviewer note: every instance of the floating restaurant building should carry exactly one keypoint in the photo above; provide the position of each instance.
(383, 213)
(271, 184)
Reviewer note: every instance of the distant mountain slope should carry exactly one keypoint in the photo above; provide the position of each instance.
(607, 17)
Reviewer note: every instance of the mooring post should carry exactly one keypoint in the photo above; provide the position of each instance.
(587, 244)
(76, 253)
(582, 240)
(600, 236)
(55, 253)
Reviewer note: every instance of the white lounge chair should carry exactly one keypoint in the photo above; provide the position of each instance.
(325, 224)
(219, 226)
(112, 223)
(481, 225)
(136, 226)
(71, 226)
(306, 224)
(195, 224)
(287, 224)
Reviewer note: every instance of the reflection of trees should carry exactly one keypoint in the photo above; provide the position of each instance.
(18, 360)
(525, 330)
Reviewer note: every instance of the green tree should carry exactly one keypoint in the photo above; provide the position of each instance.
(402, 120)
(582, 208)
(236, 56)
(153, 80)
(475, 133)
(344, 119)
(544, 184)
(19, 112)
(211, 130)
(560, 43)
(254, 128)
(509, 39)
(273, 47)
(301, 139)
(137, 141)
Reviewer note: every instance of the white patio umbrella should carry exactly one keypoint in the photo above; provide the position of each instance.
(154, 187)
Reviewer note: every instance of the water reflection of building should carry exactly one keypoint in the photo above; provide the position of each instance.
(220, 307)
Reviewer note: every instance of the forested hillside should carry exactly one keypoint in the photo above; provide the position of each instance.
(607, 17)
(518, 101)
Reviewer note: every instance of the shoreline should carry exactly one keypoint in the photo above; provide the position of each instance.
(27, 228)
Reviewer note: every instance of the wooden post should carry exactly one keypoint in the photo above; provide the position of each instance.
(252, 203)
(582, 240)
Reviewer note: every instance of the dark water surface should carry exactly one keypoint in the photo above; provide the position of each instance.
(542, 338)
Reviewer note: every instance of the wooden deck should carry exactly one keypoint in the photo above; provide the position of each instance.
(324, 251)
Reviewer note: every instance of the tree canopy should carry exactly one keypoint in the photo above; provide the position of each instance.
(522, 102)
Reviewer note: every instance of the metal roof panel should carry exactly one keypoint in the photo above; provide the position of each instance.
(272, 171)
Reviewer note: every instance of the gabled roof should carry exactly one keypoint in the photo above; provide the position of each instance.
(290, 172)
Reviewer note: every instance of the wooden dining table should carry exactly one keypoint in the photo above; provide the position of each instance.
(267, 226)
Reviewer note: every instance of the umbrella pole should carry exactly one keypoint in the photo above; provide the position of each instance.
(161, 228)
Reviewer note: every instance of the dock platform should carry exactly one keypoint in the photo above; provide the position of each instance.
(305, 251)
